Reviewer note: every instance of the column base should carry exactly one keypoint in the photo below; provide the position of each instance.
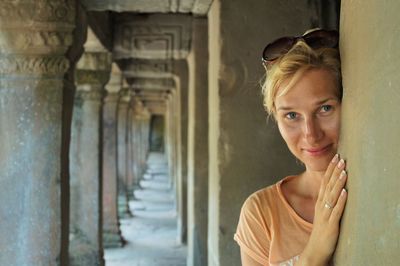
(112, 240)
(123, 207)
(82, 253)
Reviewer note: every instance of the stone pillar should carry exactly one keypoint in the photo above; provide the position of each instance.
(370, 133)
(197, 146)
(181, 79)
(131, 184)
(136, 144)
(122, 138)
(245, 152)
(74, 53)
(91, 75)
(34, 38)
(111, 232)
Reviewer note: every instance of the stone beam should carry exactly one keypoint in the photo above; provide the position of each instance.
(197, 7)
(156, 36)
(163, 84)
(156, 107)
(146, 68)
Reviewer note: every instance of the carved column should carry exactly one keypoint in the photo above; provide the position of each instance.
(122, 138)
(111, 232)
(93, 72)
(34, 38)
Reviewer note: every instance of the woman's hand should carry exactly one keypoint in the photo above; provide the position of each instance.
(328, 211)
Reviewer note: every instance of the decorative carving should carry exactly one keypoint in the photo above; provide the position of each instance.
(33, 65)
(25, 12)
(28, 40)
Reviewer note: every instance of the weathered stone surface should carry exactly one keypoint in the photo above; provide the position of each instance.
(34, 37)
(85, 240)
(181, 79)
(154, 36)
(122, 153)
(111, 232)
(198, 7)
(197, 150)
(370, 133)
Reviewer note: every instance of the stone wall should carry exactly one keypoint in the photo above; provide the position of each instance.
(369, 45)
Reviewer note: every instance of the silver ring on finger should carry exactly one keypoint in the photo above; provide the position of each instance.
(328, 205)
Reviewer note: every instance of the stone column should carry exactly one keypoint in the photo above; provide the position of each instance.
(370, 229)
(74, 53)
(34, 38)
(122, 138)
(111, 232)
(135, 142)
(197, 146)
(93, 72)
(130, 149)
(181, 108)
(245, 152)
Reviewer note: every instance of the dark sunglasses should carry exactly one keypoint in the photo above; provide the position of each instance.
(315, 39)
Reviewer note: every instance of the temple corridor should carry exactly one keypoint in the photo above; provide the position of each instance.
(151, 233)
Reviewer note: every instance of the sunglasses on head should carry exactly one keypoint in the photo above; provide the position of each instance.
(315, 39)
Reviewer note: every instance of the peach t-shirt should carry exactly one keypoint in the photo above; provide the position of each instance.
(269, 229)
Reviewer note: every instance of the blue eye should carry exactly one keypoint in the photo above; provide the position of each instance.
(291, 115)
(326, 108)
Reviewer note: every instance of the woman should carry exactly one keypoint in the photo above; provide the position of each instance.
(296, 221)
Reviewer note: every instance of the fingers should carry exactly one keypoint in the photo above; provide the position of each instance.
(339, 207)
(327, 176)
(334, 181)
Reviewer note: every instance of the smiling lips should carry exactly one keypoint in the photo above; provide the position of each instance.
(318, 151)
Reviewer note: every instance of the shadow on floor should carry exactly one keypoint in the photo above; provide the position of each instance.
(151, 233)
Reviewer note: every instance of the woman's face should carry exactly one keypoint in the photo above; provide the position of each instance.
(308, 117)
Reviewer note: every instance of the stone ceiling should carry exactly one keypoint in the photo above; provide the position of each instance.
(197, 7)
(147, 35)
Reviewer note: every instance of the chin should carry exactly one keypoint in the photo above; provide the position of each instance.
(318, 165)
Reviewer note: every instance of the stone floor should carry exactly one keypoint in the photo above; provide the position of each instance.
(151, 234)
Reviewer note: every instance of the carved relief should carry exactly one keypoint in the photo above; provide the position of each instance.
(33, 65)
(26, 12)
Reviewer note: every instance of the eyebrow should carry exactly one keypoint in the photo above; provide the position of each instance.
(286, 108)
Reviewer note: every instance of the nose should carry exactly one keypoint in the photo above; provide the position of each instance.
(312, 130)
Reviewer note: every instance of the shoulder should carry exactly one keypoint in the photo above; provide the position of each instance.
(262, 197)
(260, 206)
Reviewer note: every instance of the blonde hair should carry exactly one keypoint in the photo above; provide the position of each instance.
(291, 66)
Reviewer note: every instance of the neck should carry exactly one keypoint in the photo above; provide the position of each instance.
(312, 180)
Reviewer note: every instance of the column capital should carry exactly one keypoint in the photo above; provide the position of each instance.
(125, 95)
(35, 36)
(93, 68)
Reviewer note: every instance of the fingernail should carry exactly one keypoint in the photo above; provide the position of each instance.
(342, 174)
(341, 163)
(335, 158)
(343, 192)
